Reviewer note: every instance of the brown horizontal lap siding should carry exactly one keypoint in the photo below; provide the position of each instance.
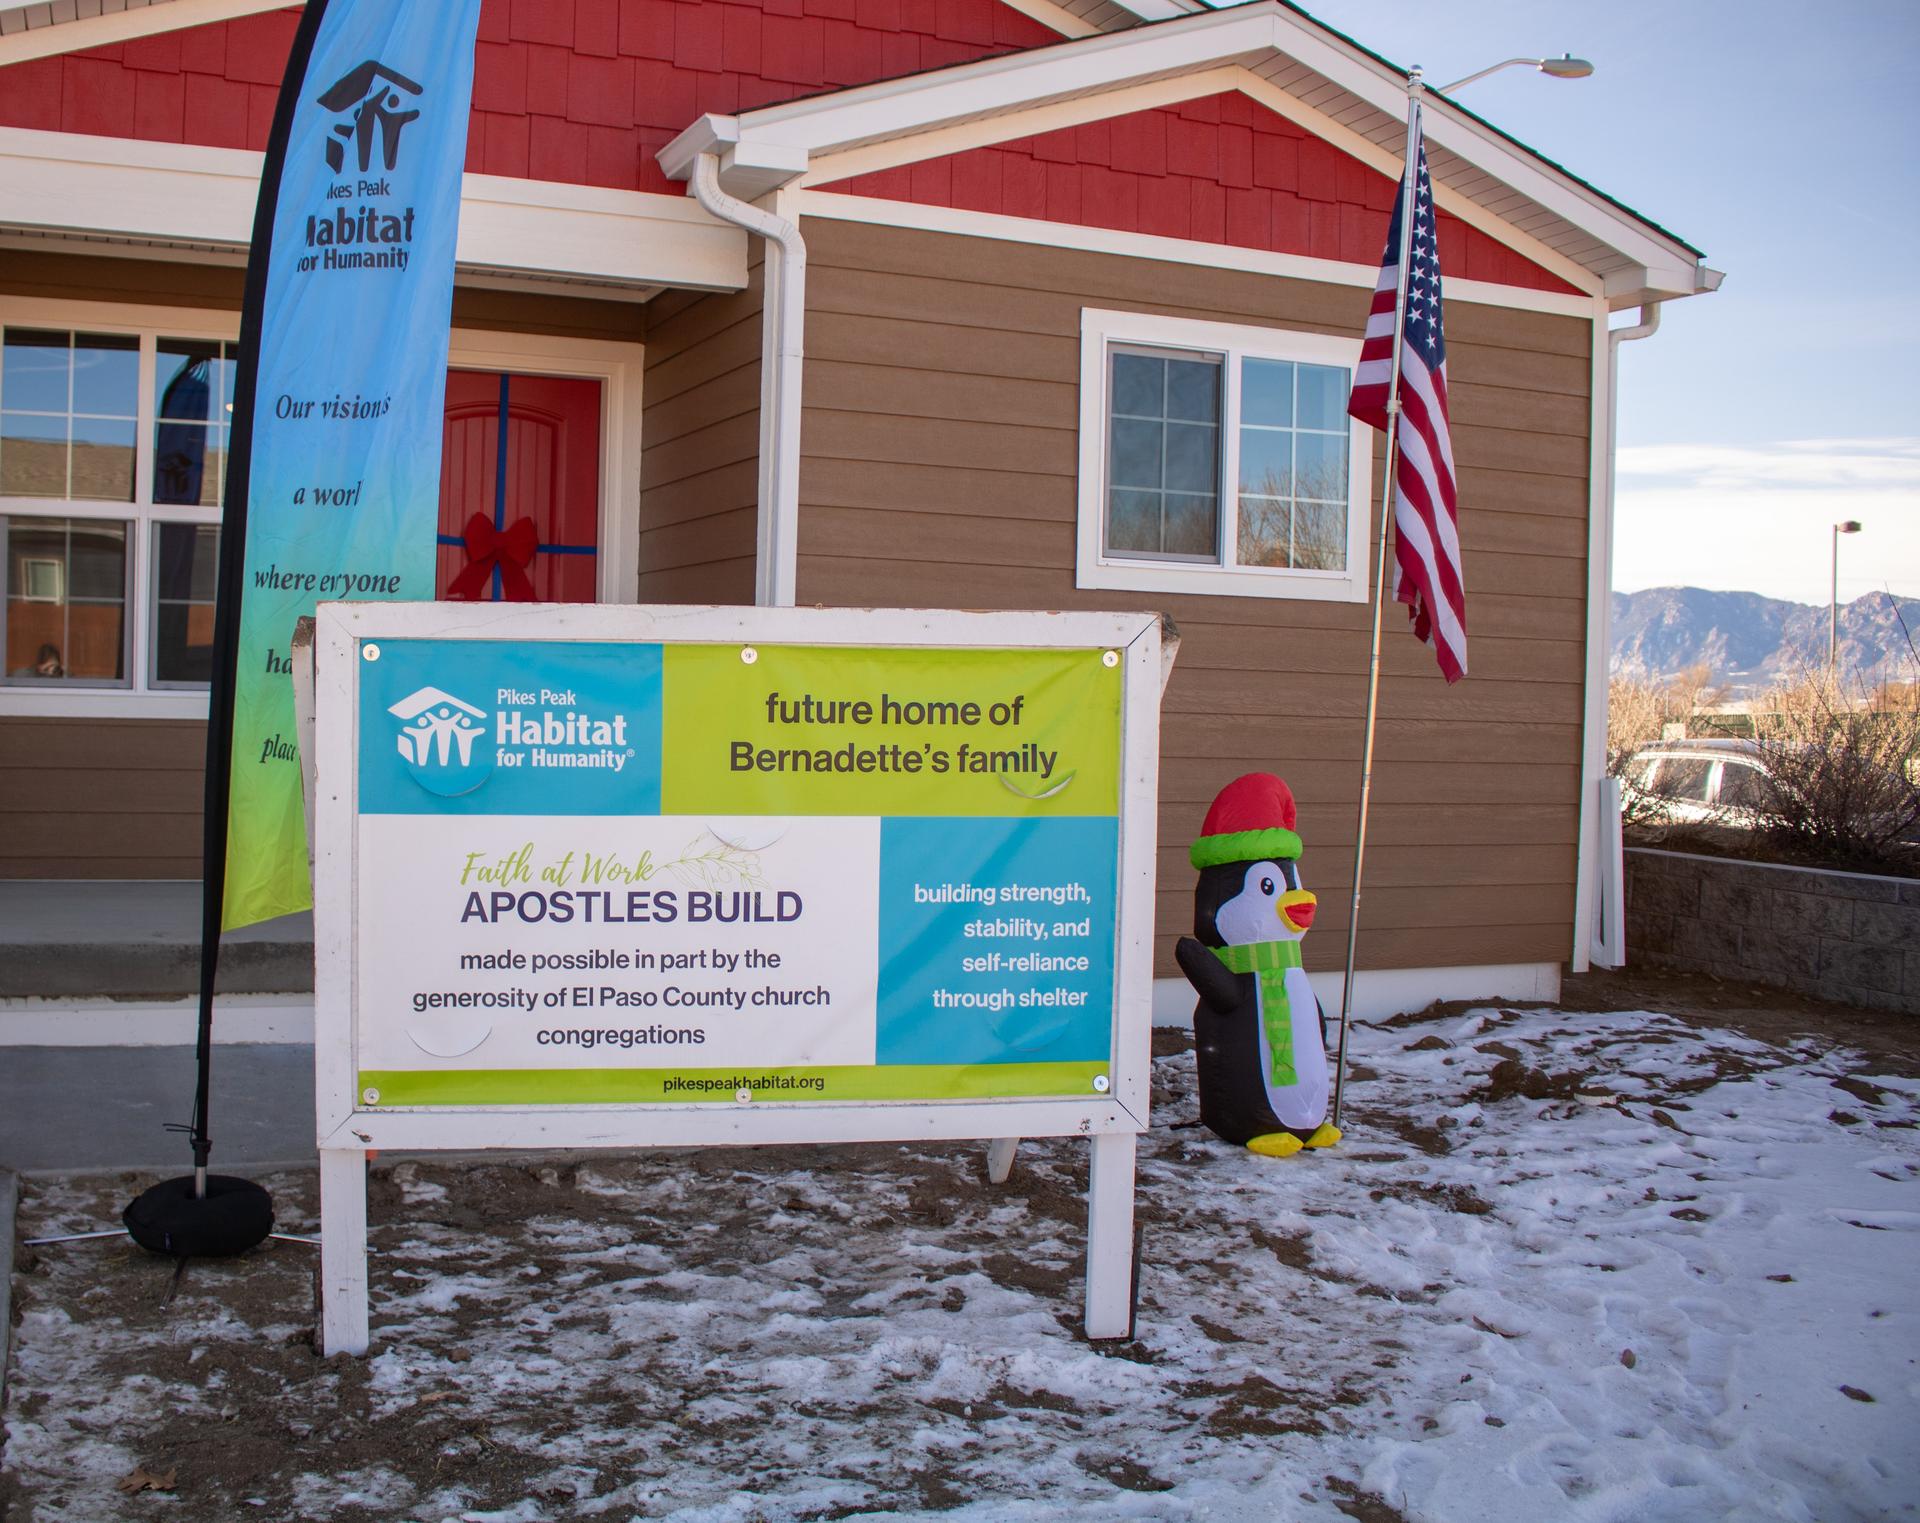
(940, 458)
(100, 798)
(699, 471)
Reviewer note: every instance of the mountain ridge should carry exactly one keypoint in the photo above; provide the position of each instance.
(1749, 642)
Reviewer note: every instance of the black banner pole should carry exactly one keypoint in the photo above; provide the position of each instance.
(230, 587)
(180, 1216)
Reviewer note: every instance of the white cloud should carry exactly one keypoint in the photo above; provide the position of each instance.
(1892, 445)
(1793, 463)
(1760, 518)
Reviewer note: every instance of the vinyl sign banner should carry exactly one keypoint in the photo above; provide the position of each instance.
(344, 472)
(613, 873)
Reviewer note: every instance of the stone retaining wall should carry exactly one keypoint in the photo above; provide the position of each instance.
(1848, 937)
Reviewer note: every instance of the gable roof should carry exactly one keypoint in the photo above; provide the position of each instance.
(1272, 50)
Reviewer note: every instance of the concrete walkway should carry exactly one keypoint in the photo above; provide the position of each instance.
(104, 1107)
(65, 1108)
(132, 939)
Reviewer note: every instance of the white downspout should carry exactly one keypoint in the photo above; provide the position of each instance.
(782, 357)
(1593, 762)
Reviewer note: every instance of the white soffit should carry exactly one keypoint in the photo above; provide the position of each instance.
(108, 192)
(41, 28)
(1330, 85)
(1150, 10)
(1063, 19)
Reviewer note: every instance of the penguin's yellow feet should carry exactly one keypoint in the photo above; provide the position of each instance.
(1325, 1136)
(1275, 1145)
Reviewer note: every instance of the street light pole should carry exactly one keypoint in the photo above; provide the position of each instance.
(1847, 526)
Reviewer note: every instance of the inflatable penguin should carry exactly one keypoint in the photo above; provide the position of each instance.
(1259, 1030)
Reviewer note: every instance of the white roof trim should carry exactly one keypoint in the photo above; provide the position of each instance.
(918, 103)
(825, 167)
(41, 30)
(1633, 260)
(124, 191)
(840, 207)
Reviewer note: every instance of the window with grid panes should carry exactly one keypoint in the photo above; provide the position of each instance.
(1219, 458)
(113, 453)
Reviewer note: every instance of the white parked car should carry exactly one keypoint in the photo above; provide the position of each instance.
(1682, 782)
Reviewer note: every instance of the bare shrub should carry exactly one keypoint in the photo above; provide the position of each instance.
(1841, 762)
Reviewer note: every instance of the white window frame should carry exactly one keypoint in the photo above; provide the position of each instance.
(135, 694)
(1100, 332)
(618, 366)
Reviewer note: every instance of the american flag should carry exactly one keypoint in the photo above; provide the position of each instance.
(1426, 573)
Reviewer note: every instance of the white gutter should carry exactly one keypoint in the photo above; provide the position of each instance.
(1600, 521)
(782, 356)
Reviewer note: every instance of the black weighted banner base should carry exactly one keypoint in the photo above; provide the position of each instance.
(233, 1216)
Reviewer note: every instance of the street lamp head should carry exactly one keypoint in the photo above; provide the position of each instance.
(1566, 67)
(1850, 526)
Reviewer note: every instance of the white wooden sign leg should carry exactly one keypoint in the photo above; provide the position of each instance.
(1110, 1236)
(343, 1251)
(1000, 1153)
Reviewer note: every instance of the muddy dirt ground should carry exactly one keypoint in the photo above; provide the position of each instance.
(1770, 1015)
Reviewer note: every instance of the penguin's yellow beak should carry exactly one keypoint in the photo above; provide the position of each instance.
(1295, 908)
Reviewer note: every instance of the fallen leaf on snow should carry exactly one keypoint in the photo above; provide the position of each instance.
(141, 1479)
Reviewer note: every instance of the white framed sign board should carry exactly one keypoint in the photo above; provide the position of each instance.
(643, 876)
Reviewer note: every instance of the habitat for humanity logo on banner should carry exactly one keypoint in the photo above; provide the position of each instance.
(349, 389)
(477, 727)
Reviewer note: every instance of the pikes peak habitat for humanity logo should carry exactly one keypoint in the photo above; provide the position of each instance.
(444, 742)
(370, 98)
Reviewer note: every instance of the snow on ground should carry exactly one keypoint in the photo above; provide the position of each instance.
(1566, 1266)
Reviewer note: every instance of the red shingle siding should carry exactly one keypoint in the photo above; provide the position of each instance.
(585, 91)
(1220, 170)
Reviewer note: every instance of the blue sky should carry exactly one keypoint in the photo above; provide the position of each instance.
(1780, 139)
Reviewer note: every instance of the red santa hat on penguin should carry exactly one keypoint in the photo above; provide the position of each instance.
(1251, 819)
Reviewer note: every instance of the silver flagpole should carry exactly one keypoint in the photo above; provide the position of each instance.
(1407, 189)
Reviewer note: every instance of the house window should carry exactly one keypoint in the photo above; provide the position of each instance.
(1220, 459)
(112, 460)
(114, 435)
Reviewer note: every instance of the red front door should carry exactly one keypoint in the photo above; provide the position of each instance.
(519, 488)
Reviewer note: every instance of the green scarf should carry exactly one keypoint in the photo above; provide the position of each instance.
(1268, 961)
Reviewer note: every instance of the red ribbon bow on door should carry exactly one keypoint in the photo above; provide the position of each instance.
(511, 552)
